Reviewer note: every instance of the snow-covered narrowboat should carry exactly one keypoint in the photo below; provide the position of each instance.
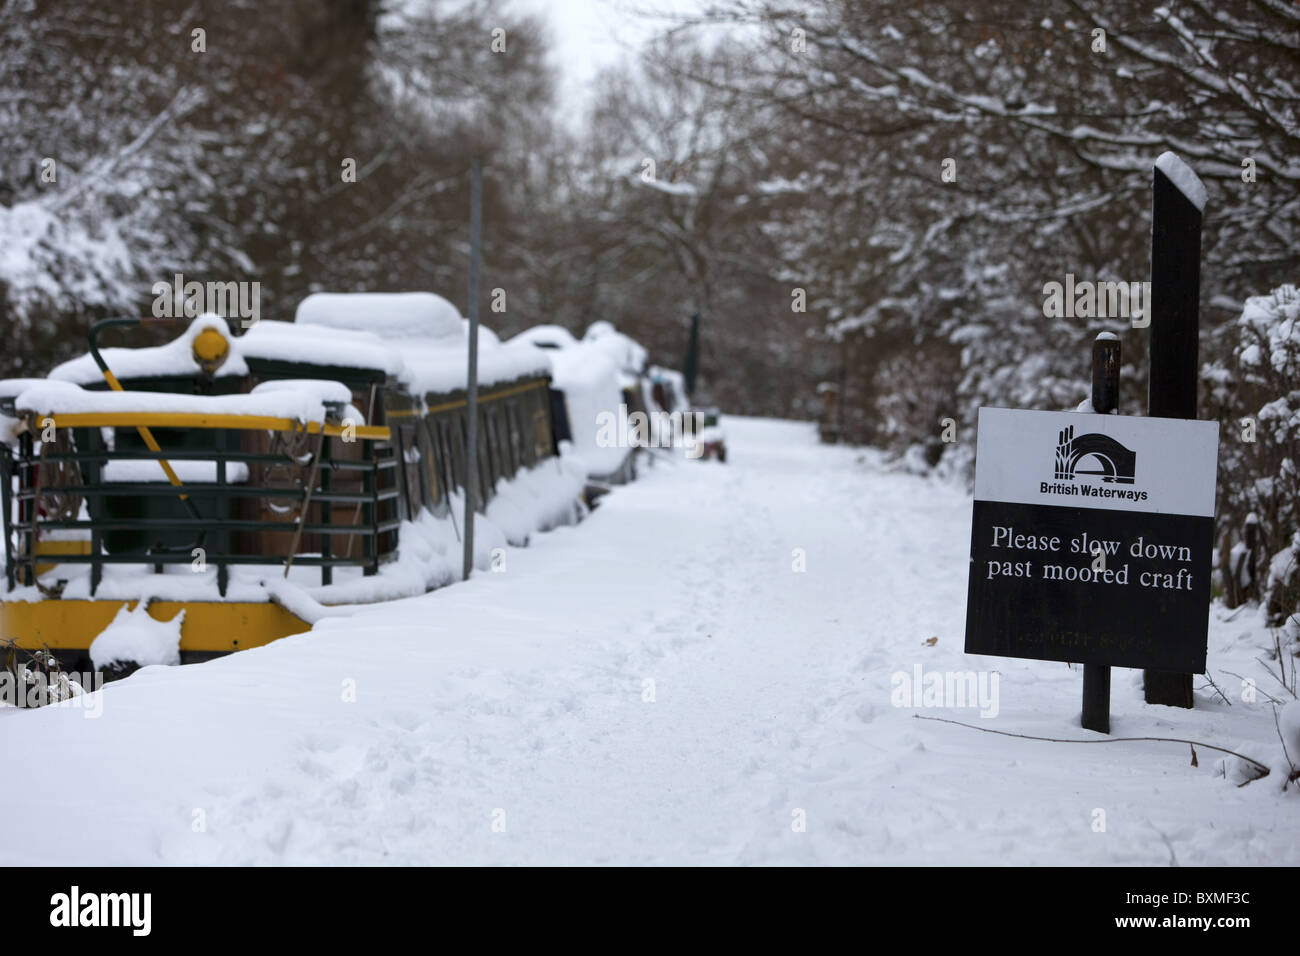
(240, 487)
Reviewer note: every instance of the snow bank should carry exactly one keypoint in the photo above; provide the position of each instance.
(133, 637)
(174, 358)
(429, 551)
(299, 603)
(538, 499)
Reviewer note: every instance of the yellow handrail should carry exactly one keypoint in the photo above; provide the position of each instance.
(206, 420)
(150, 441)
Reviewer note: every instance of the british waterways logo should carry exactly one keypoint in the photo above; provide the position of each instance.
(1092, 454)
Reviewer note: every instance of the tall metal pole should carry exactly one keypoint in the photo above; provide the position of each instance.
(471, 466)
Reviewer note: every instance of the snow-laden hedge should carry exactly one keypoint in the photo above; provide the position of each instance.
(1253, 385)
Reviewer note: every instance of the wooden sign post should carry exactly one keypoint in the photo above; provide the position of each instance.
(1177, 208)
(1105, 399)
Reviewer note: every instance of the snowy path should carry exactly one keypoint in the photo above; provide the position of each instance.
(520, 699)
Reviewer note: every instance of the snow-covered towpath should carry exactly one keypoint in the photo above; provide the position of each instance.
(657, 685)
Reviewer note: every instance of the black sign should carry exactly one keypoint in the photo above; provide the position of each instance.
(1092, 538)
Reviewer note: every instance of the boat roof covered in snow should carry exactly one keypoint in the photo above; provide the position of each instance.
(413, 339)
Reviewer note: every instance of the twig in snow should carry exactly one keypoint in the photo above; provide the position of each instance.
(1216, 689)
(1173, 857)
(1281, 680)
(1257, 687)
(1108, 740)
(1282, 653)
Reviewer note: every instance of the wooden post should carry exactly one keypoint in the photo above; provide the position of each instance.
(1105, 399)
(691, 367)
(1176, 213)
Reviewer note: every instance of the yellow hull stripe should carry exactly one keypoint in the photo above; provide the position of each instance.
(208, 625)
(462, 402)
(204, 420)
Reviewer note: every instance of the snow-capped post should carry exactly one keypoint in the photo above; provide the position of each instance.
(1105, 399)
(471, 452)
(1177, 208)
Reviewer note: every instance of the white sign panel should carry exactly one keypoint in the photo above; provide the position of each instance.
(1081, 460)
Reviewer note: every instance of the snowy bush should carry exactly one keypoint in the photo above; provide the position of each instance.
(32, 678)
(1253, 387)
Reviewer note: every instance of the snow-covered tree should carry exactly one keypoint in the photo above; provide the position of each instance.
(1253, 387)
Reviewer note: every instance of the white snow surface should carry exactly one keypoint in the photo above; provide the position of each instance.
(591, 374)
(547, 336)
(436, 368)
(290, 342)
(593, 388)
(322, 388)
(56, 398)
(13, 387)
(486, 337)
(1184, 178)
(525, 696)
(390, 315)
(629, 354)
